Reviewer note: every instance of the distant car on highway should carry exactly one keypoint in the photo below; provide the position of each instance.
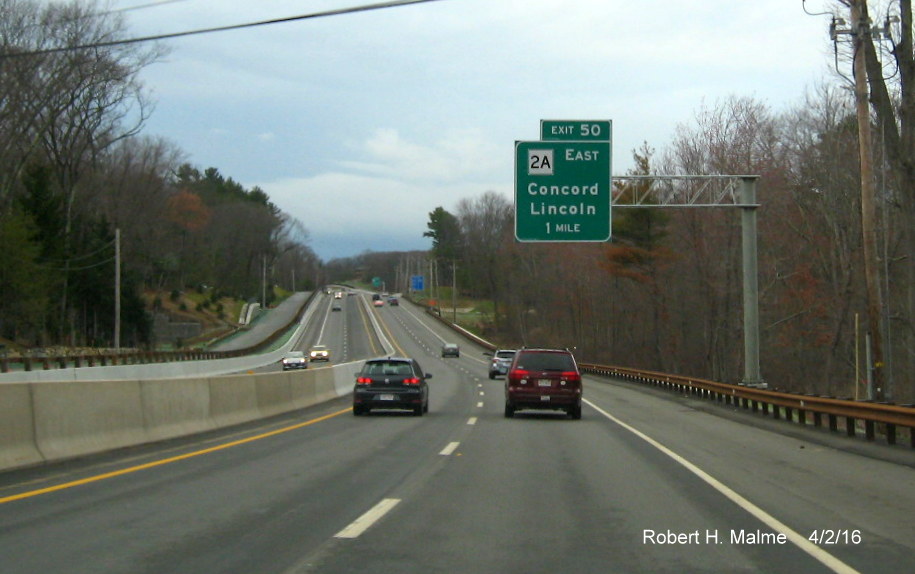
(543, 379)
(451, 350)
(294, 360)
(501, 361)
(391, 383)
(319, 353)
(336, 307)
(378, 302)
(393, 301)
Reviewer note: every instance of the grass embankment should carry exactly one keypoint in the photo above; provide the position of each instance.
(218, 316)
(472, 314)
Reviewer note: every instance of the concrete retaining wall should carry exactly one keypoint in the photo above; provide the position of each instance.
(44, 422)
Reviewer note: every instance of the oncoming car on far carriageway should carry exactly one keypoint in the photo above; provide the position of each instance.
(294, 360)
(319, 353)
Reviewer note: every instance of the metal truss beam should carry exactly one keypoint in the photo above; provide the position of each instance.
(681, 191)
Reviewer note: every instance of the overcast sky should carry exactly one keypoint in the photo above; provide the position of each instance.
(360, 125)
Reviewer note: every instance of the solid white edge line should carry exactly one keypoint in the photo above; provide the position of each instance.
(796, 538)
(365, 521)
(452, 446)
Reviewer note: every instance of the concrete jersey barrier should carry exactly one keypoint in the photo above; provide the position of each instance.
(45, 422)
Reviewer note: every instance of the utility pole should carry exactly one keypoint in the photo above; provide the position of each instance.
(117, 289)
(264, 283)
(454, 291)
(861, 32)
(860, 29)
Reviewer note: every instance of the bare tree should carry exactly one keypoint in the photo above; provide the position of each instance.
(484, 222)
(76, 102)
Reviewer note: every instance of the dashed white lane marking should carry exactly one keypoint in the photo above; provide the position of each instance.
(479, 405)
(365, 521)
(452, 446)
(472, 421)
(482, 394)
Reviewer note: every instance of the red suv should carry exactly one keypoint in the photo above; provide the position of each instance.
(543, 379)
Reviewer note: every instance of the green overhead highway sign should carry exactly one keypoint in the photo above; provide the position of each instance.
(562, 190)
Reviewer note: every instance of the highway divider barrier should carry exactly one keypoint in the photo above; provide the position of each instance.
(51, 421)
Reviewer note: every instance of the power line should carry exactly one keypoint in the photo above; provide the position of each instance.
(313, 15)
(81, 268)
(104, 13)
(143, 6)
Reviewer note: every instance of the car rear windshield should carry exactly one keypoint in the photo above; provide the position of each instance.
(388, 368)
(546, 362)
(505, 354)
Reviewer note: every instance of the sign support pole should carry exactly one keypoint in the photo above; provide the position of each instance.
(751, 376)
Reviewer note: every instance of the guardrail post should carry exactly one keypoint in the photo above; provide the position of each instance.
(869, 430)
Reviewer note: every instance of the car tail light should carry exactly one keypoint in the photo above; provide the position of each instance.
(571, 377)
(363, 381)
(519, 376)
(411, 381)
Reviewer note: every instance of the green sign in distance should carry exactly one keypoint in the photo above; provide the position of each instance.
(562, 191)
(576, 130)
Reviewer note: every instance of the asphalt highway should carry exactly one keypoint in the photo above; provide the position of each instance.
(645, 482)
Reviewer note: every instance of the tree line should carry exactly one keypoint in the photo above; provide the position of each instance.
(666, 292)
(74, 168)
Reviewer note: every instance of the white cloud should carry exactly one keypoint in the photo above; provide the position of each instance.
(458, 154)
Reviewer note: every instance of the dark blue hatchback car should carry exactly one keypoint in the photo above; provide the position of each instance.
(391, 383)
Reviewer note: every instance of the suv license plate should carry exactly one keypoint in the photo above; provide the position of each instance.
(545, 383)
(385, 397)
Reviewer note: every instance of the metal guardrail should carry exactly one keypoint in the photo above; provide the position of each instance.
(792, 407)
(145, 357)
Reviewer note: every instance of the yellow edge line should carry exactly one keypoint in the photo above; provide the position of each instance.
(368, 329)
(165, 461)
(393, 339)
